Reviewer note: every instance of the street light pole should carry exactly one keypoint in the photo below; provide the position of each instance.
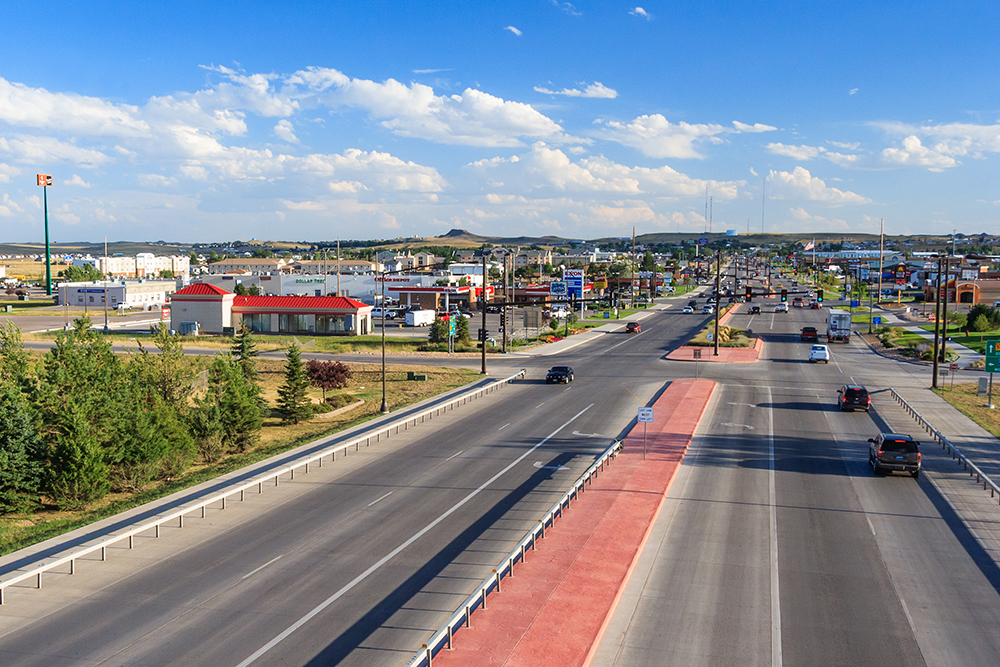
(718, 296)
(482, 304)
(937, 323)
(385, 406)
(45, 180)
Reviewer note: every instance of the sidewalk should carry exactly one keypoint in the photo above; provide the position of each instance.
(553, 611)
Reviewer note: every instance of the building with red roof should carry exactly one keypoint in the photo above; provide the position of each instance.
(209, 309)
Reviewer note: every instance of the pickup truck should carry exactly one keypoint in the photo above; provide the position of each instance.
(559, 374)
(809, 334)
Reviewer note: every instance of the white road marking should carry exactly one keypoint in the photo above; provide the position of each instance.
(775, 598)
(588, 435)
(250, 574)
(539, 464)
(913, 626)
(628, 340)
(375, 567)
(750, 405)
(540, 405)
(457, 453)
(772, 320)
(378, 499)
(504, 426)
(746, 426)
(871, 525)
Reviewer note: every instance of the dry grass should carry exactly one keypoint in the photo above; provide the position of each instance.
(963, 397)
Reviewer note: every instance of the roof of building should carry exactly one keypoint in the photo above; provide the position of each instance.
(201, 289)
(304, 303)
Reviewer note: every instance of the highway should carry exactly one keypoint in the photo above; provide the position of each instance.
(357, 562)
(776, 545)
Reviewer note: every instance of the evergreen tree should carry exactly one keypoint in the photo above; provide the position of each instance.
(77, 472)
(239, 402)
(438, 331)
(14, 361)
(207, 429)
(21, 453)
(292, 399)
(462, 330)
(244, 351)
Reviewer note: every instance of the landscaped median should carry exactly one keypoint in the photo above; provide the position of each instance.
(735, 345)
(555, 608)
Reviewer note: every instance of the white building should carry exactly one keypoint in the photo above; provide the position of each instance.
(143, 265)
(131, 294)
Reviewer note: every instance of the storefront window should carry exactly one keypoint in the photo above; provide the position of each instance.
(293, 323)
(328, 324)
(257, 322)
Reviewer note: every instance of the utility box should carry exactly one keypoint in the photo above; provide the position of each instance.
(984, 386)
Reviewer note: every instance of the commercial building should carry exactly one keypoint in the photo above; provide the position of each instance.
(143, 265)
(129, 294)
(209, 309)
(248, 265)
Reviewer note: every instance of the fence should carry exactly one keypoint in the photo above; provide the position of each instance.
(956, 453)
(443, 637)
(302, 464)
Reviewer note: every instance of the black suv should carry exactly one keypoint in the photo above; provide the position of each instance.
(888, 452)
(755, 309)
(559, 374)
(853, 397)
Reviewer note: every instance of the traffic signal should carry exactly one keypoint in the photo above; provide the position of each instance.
(784, 295)
(484, 334)
(819, 297)
(749, 293)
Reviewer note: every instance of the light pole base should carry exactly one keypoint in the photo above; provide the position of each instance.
(385, 408)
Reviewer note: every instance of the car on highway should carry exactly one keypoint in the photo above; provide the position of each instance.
(809, 334)
(781, 308)
(693, 304)
(688, 310)
(558, 374)
(796, 302)
(818, 353)
(894, 452)
(707, 309)
(814, 305)
(755, 310)
(853, 397)
(633, 327)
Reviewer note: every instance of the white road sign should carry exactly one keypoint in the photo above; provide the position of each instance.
(645, 415)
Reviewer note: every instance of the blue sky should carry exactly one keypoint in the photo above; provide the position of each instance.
(201, 121)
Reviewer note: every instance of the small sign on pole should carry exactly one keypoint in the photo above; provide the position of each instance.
(645, 417)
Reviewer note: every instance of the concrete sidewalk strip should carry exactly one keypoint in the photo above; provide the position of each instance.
(554, 609)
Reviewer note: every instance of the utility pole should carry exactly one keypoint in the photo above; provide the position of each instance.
(718, 295)
(106, 327)
(506, 298)
(385, 406)
(944, 311)
(631, 287)
(482, 304)
(338, 281)
(45, 181)
(881, 253)
(937, 323)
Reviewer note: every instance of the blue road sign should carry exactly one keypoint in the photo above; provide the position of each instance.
(876, 320)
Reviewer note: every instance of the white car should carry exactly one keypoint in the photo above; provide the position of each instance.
(707, 309)
(818, 353)
(688, 310)
(781, 308)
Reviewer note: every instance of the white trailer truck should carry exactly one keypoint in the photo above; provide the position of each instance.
(838, 326)
(420, 318)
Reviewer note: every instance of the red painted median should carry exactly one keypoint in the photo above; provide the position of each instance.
(554, 609)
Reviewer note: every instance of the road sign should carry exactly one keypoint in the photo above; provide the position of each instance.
(992, 356)
(710, 337)
(574, 281)
(557, 288)
(645, 415)
(954, 367)
(876, 320)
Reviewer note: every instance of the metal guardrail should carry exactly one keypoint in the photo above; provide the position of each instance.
(443, 638)
(956, 453)
(258, 481)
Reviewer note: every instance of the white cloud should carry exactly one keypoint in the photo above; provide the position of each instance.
(852, 91)
(851, 146)
(37, 108)
(7, 171)
(432, 71)
(41, 150)
(9, 206)
(473, 118)
(655, 136)
(642, 13)
(755, 128)
(346, 187)
(914, 153)
(156, 180)
(796, 152)
(567, 7)
(596, 89)
(76, 180)
(285, 131)
(67, 218)
(513, 30)
(801, 183)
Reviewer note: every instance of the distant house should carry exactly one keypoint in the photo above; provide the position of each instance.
(248, 264)
(319, 266)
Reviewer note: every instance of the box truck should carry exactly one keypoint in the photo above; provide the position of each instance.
(838, 326)
(419, 318)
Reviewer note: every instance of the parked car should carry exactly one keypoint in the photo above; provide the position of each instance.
(818, 353)
(559, 374)
(809, 334)
(633, 327)
(853, 397)
(755, 310)
(892, 452)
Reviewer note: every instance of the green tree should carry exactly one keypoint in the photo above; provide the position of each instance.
(980, 324)
(244, 352)
(79, 274)
(292, 399)
(77, 472)
(438, 331)
(238, 401)
(240, 290)
(462, 330)
(166, 274)
(22, 453)
(207, 428)
(253, 290)
(14, 361)
(193, 258)
(648, 262)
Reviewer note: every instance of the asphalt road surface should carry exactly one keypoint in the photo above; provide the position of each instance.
(776, 546)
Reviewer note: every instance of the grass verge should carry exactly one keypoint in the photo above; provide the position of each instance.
(963, 397)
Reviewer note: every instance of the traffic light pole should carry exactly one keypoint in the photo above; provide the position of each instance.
(718, 296)
(482, 305)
